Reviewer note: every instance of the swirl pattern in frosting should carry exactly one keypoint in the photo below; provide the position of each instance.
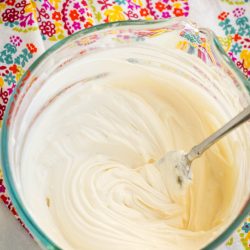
(90, 178)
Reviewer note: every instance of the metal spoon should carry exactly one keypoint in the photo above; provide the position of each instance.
(180, 162)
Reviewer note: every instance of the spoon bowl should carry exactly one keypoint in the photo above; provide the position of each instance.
(177, 164)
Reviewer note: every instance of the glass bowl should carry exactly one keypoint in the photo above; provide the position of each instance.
(142, 39)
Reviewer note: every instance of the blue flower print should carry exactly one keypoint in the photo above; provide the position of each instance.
(246, 227)
(120, 2)
(9, 78)
(236, 48)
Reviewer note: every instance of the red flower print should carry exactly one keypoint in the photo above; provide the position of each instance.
(13, 210)
(31, 47)
(88, 24)
(47, 28)
(10, 15)
(89, 14)
(169, 7)
(10, 2)
(144, 12)
(178, 12)
(14, 69)
(2, 187)
(5, 199)
(223, 15)
(82, 18)
(236, 37)
(56, 15)
(160, 6)
(84, 3)
(74, 15)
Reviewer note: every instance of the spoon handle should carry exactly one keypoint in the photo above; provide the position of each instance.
(198, 150)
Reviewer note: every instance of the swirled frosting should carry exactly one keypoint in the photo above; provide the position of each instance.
(90, 181)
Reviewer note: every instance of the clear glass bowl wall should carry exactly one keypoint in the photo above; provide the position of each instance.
(150, 44)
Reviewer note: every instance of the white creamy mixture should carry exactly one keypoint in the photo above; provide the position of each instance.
(88, 165)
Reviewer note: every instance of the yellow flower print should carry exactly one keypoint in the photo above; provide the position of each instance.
(182, 45)
(248, 236)
(90, 20)
(31, 7)
(237, 2)
(177, 5)
(226, 42)
(19, 73)
(138, 2)
(59, 32)
(1, 82)
(207, 47)
(148, 18)
(245, 56)
(115, 14)
(58, 27)
(230, 242)
(2, 6)
(55, 3)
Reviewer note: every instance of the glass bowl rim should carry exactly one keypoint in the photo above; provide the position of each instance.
(7, 175)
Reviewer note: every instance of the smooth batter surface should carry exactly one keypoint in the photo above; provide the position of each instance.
(90, 178)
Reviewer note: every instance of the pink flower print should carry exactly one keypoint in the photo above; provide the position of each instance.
(166, 14)
(239, 12)
(10, 15)
(47, 5)
(26, 20)
(82, 11)
(2, 109)
(105, 4)
(47, 28)
(42, 13)
(131, 15)
(76, 26)
(16, 40)
(21, 5)
(76, 5)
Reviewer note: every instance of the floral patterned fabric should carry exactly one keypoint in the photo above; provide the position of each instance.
(236, 27)
(29, 27)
